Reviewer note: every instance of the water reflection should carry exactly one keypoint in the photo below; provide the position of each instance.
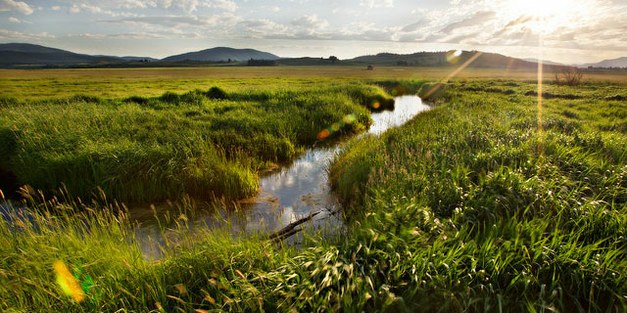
(293, 192)
(406, 107)
(303, 188)
(287, 195)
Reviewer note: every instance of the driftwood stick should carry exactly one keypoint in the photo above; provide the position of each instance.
(289, 230)
(287, 235)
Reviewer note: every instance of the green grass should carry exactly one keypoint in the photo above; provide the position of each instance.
(140, 149)
(470, 207)
(491, 212)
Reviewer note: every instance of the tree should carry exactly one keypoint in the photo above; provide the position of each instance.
(570, 76)
(333, 59)
(253, 62)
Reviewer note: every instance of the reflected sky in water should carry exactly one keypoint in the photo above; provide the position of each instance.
(405, 108)
(303, 187)
(294, 191)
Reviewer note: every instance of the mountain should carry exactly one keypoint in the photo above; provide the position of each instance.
(436, 59)
(21, 55)
(221, 54)
(29, 55)
(620, 62)
(546, 62)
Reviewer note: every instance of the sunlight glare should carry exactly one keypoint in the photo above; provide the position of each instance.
(453, 56)
(68, 282)
(548, 16)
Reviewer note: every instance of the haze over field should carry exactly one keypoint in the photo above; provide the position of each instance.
(570, 32)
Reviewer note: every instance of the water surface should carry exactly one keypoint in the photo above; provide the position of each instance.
(294, 191)
(303, 187)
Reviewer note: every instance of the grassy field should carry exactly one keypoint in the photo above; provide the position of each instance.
(496, 203)
(120, 83)
(487, 203)
(140, 149)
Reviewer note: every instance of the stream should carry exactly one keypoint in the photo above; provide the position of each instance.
(289, 194)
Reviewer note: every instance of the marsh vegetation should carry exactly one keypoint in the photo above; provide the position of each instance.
(202, 143)
(488, 202)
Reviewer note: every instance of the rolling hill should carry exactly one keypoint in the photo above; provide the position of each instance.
(23, 55)
(221, 54)
(437, 59)
(620, 62)
(29, 55)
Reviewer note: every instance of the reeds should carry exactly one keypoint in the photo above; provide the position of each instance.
(467, 208)
(142, 149)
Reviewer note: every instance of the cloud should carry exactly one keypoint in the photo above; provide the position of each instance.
(169, 21)
(463, 38)
(133, 4)
(186, 5)
(469, 22)
(263, 28)
(14, 35)
(478, 18)
(183, 26)
(311, 22)
(77, 8)
(19, 6)
(226, 5)
(377, 3)
(519, 21)
(190, 6)
(131, 36)
(110, 7)
(594, 24)
(413, 27)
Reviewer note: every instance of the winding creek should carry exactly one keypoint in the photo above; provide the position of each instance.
(286, 195)
(293, 192)
(303, 188)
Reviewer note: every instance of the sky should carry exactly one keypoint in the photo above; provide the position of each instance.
(566, 31)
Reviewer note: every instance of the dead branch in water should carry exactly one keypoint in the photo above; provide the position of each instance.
(290, 230)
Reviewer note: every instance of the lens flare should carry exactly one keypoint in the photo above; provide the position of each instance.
(324, 134)
(349, 119)
(453, 57)
(67, 282)
(439, 85)
(540, 99)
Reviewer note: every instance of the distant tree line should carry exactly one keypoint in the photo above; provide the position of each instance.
(253, 62)
(606, 68)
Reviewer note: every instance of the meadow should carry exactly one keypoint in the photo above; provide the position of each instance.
(151, 82)
(206, 143)
(489, 202)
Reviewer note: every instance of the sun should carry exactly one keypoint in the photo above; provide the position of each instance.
(546, 16)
